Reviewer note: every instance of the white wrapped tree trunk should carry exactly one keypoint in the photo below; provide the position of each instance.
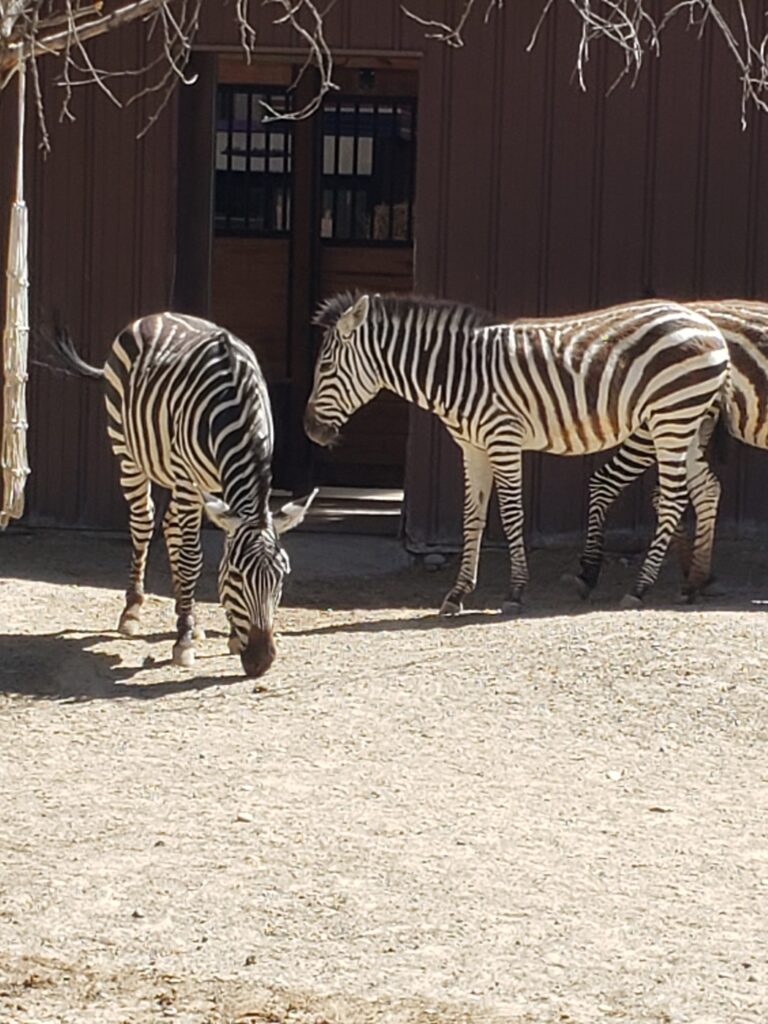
(15, 342)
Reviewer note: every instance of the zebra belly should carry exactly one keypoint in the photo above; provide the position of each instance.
(579, 438)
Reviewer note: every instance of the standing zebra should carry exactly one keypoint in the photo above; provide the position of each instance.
(743, 409)
(187, 408)
(567, 386)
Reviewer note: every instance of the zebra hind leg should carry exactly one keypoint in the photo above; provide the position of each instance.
(137, 490)
(672, 500)
(605, 486)
(681, 544)
(704, 488)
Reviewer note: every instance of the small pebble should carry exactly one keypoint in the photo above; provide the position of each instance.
(244, 816)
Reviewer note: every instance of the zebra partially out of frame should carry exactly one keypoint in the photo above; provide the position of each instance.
(743, 410)
(567, 386)
(188, 409)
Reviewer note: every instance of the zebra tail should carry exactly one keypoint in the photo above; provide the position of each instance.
(68, 356)
(719, 442)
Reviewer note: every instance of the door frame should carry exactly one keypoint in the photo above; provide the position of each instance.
(191, 292)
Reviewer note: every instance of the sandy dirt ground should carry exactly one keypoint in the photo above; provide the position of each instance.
(557, 820)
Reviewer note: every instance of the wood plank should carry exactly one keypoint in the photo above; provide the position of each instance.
(235, 70)
(347, 268)
(250, 296)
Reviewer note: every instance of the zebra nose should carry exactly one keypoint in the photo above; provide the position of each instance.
(259, 653)
(317, 431)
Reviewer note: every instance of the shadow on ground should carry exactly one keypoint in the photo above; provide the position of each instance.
(65, 666)
(349, 572)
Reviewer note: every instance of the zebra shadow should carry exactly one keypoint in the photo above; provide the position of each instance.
(64, 666)
(428, 621)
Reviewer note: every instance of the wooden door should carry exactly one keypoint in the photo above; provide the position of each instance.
(366, 229)
(303, 210)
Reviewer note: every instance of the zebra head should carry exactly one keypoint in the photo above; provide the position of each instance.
(252, 571)
(345, 375)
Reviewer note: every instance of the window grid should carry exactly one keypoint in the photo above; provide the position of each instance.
(368, 167)
(253, 163)
(368, 170)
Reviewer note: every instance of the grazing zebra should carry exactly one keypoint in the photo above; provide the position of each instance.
(743, 409)
(568, 386)
(188, 409)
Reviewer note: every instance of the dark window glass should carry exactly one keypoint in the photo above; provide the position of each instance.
(252, 161)
(367, 167)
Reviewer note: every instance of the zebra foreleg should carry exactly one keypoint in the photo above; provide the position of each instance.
(605, 485)
(137, 490)
(673, 498)
(478, 481)
(508, 474)
(173, 545)
(189, 562)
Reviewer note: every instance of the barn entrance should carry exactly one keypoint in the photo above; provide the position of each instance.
(303, 210)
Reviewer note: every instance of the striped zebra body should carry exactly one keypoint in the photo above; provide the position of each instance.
(743, 410)
(567, 386)
(188, 409)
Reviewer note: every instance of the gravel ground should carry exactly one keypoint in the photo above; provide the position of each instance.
(562, 818)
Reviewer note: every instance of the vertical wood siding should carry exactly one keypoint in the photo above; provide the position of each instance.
(531, 198)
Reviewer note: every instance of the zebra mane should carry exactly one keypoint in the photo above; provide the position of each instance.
(329, 311)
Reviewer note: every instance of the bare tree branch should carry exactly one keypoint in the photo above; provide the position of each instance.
(319, 54)
(634, 28)
(452, 36)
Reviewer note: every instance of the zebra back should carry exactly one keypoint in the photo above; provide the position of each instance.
(187, 398)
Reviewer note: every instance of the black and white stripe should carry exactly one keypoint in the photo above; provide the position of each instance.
(743, 410)
(188, 409)
(568, 386)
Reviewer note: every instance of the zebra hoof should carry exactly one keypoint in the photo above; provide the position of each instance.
(234, 644)
(511, 609)
(448, 608)
(183, 655)
(198, 633)
(687, 596)
(129, 626)
(630, 601)
(577, 583)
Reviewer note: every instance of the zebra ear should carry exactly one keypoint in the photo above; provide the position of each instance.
(352, 318)
(219, 513)
(291, 515)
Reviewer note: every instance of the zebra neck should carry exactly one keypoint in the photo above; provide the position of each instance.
(426, 362)
(246, 481)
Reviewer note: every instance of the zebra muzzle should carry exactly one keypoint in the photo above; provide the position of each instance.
(259, 653)
(321, 433)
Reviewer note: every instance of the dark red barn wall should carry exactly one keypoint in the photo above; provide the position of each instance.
(101, 253)
(532, 198)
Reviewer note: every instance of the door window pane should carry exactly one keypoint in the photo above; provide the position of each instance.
(253, 162)
(368, 170)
